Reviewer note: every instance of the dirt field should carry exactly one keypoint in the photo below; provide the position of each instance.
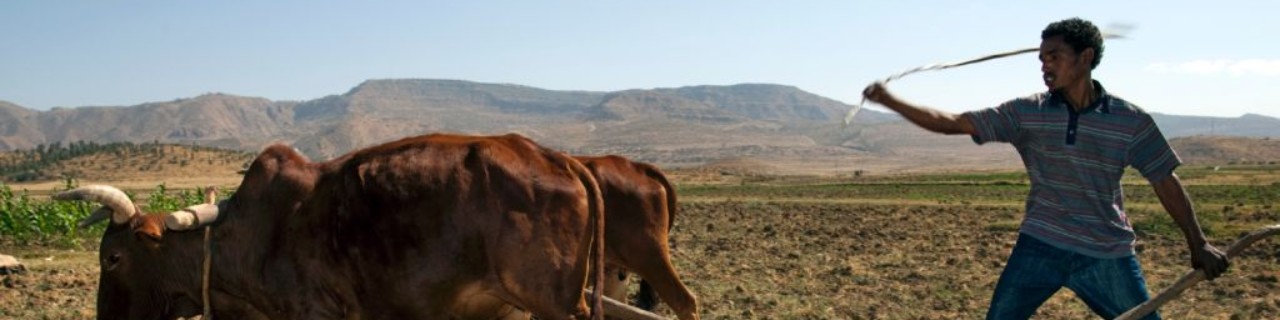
(58, 284)
(776, 260)
(873, 251)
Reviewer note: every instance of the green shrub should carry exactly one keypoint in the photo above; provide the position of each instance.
(29, 220)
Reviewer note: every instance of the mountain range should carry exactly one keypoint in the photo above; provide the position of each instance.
(776, 127)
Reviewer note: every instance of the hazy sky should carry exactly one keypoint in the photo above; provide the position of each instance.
(1217, 58)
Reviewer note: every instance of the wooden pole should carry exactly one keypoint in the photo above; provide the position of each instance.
(1195, 276)
(623, 311)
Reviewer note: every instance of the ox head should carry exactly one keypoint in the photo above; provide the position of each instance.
(144, 272)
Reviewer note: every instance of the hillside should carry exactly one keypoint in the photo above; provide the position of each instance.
(1249, 125)
(188, 165)
(790, 129)
(1221, 150)
(148, 162)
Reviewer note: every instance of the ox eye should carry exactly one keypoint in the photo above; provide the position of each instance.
(111, 261)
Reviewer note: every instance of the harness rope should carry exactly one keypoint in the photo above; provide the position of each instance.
(208, 265)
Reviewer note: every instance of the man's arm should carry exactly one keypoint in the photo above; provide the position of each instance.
(1204, 256)
(927, 118)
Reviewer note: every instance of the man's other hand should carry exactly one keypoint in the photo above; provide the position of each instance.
(1210, 259)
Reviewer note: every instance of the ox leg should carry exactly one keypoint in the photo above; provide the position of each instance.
(580, 312)
(226, 306)
(545, 291)
(661, 274)
(516, 314)
(615, 282)
(484, 306)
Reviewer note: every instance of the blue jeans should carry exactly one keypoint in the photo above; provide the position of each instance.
(1036, 270)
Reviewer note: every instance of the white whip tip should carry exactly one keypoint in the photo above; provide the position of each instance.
(848, 116)
(1117, 30)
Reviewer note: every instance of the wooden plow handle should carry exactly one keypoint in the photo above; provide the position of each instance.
(616, 309)
(1197, 275)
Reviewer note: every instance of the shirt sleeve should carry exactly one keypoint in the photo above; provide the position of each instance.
(1150, 153)
(998, 124)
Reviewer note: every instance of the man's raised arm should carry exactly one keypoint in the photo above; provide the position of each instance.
(927, 118)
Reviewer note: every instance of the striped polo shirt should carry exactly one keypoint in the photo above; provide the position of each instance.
(1075, 161)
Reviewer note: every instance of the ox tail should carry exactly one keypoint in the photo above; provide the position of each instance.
(595, 202)
(657, 175)
(647, 298)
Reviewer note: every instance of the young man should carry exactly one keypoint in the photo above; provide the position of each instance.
(1075, 141)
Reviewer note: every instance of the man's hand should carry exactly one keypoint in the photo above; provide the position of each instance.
(876, 92)
(1210, 259)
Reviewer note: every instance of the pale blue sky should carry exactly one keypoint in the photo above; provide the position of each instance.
(1217, 58)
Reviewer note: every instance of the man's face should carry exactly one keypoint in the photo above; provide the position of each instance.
(1060, 65)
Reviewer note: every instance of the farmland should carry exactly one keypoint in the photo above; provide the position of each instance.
(926, 246)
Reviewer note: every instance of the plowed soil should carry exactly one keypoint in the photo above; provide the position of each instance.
(823, 257)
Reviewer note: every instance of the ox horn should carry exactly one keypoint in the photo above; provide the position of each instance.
(195, 216)
(192, 217)
(210, 195)
(112, 199)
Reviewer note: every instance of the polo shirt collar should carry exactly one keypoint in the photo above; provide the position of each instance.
(1101, 103)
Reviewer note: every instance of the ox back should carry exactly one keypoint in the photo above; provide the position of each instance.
(410, 229)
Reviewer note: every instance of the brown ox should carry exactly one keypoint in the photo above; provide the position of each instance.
(640, 208)
(412, 229)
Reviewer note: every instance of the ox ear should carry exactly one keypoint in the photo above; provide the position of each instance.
(149, 229)
(210, 195)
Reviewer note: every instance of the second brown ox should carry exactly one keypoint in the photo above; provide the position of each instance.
(640, 208)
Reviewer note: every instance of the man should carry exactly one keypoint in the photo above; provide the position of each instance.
(1075, 141)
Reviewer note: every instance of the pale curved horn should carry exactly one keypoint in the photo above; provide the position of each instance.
(110, 197)
(192, 217)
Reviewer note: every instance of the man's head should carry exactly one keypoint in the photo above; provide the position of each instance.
(1069, 50)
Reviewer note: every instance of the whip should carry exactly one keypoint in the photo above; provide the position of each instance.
(1115, 31)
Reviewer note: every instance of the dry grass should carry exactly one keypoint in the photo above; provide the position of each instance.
(176, 166)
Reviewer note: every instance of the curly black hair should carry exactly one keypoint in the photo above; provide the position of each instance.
(1078, 33)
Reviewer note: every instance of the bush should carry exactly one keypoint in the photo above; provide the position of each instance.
(25, 220)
